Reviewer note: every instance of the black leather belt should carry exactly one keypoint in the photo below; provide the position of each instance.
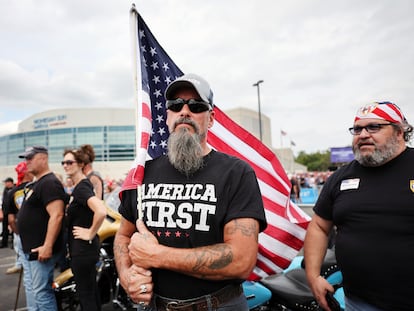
(202, 303)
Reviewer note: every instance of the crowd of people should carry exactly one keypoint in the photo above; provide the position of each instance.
(195, 218)
(307, 180)
(53, 220)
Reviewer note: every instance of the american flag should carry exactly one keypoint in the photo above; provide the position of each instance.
(154, 70)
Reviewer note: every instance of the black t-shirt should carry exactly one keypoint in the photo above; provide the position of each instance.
(6, 200)
(191, 212)
(16, 198)
(33, 217)
(373, 209)
(79, 214)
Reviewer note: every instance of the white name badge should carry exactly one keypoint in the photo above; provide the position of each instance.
(350, 184)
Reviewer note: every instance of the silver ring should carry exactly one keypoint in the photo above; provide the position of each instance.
(143, 288)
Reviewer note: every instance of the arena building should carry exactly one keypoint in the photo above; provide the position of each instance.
(111, 131)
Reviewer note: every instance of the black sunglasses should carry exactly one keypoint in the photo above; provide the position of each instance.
(370, 128)
(195, 106)
(67, 162)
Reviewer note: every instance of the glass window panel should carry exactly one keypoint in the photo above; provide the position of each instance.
(90, 135)
(121, 135)
(61, 138)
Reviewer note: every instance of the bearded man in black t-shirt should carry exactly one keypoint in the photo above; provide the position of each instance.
(370, 201)
(202, 211)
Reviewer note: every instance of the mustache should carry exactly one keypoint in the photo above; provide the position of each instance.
(186, 121)
(364, 143)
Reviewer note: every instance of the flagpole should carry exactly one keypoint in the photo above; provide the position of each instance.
(136, 68)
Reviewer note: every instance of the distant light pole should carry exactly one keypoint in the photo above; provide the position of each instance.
(258, 101)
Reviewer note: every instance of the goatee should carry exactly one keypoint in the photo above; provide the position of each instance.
(184, 148)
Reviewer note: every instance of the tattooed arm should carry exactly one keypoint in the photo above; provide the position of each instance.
(132, 277)
(234, 258)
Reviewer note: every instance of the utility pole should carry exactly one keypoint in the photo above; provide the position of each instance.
(257, 84)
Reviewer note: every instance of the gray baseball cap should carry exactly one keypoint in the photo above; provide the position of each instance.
(198, 83)
(31, 151)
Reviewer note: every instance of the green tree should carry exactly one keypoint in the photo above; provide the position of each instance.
(318, 161)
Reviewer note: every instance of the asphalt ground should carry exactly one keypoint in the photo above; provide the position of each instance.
(9, 283)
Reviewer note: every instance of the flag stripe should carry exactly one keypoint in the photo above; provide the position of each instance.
(280, 234)
(284, 223)
(267, 260)
(264, 176)
(234, 135)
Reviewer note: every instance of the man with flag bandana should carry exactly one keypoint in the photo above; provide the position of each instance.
(202, 212)
(371, 203)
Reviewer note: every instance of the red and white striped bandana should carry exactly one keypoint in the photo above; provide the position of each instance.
(381, 110)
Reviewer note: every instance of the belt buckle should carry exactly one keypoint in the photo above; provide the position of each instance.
(172, 305)
(214, 302)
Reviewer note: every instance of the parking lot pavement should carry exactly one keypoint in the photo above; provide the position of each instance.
(9, 283)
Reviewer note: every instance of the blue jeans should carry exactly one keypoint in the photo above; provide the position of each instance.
(41, 275)
(236, 304)
(16, 244)
(355, 304)
(27, 278)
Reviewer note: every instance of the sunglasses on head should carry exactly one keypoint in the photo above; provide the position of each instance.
(68, 162)
(195, 106)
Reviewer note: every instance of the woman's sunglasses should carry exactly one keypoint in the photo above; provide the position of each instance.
(67, 162)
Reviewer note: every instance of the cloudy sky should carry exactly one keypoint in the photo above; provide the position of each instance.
(319, 59)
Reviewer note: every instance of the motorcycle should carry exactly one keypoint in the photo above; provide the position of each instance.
(290, 290)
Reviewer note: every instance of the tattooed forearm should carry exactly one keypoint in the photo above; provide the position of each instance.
(220, 256)
(214, 257)
(121, 249)
(249, 229)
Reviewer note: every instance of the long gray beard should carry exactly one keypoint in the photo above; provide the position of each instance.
(380, 156)
(185, 152)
